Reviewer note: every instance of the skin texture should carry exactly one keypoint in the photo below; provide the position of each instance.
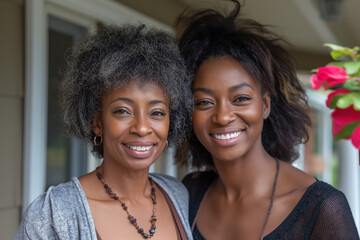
(228, 100)
(132, 115)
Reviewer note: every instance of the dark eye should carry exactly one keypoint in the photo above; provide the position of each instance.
(158, 113)
(242, 99)
(121, 111)
(202, 103)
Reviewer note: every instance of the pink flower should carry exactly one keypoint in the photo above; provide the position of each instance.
(316, 83)
(333, 94)
(329, 76)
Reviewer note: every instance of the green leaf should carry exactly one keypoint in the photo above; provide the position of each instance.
(336, 54)
(352, 67)
(347, 130)
(351, 85)
(345, 101)
(338, 64)
(333, 46)
(334, 100)
(356, 100)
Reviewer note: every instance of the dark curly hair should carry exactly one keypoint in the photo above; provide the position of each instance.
(207, 34)
(113, 57)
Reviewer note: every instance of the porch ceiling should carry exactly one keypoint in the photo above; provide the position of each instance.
(298, 21)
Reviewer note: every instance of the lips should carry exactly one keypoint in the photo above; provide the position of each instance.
(139, 149)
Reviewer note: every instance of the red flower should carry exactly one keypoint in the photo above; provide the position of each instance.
(342, 117)
(333, 94)
(329, 76)
(355, 138)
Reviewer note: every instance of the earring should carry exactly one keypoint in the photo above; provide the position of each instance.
(167, 144)
(96, 141)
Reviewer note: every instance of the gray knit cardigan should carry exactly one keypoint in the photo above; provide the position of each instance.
(63, 211)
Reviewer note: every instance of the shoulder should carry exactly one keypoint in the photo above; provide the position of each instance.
(327, 196)
(169, 184)
(322, 191)
(51, 209)
(326, 201)
(53, 201)
(334, 217)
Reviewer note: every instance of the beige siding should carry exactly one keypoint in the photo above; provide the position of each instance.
(11, 112)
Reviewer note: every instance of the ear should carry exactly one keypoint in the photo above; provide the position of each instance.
(266, 105)
(97, 125)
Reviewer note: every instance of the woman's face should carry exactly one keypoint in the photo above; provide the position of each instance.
(229, 109)
(134, 124)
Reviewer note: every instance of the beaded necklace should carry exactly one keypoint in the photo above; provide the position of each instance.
(132, 219)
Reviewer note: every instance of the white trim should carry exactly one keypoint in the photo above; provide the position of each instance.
(325, 140)
(349, 178)
(107, 11)
(70, 16)
(34, 161)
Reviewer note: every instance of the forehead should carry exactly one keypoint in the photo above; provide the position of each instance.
(220, 72)
(138, 90)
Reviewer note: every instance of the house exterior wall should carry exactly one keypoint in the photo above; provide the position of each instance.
(11, 112)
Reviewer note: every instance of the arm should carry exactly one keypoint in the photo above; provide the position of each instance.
(335, 220)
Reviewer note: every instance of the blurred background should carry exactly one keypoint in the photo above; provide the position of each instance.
(36, 34)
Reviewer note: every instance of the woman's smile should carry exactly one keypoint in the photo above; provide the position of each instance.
(134, 124)
(139, 149)
(229, 108)
(226, 138)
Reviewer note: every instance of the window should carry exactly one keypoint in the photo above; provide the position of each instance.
(65, 156)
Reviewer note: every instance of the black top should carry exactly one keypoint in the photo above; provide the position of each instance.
(322, 213)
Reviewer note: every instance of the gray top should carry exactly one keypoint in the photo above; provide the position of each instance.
(64, 213)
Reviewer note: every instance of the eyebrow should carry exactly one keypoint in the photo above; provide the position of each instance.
(241, 85)
(233, 88)
(123, 99)
(152, 102)
(205, 90)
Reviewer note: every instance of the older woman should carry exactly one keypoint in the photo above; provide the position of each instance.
(122, 94)
(250, 113)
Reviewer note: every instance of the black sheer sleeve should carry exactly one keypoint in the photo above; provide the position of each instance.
(335, 220)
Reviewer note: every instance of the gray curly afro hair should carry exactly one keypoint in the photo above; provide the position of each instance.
(113, 57)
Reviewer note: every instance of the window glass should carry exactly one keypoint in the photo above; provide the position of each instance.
(66, 156)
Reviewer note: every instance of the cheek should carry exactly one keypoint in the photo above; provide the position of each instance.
(251, 116)
(199, 120)
(161, 128)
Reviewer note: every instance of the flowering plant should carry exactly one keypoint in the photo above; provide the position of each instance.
(342, 77)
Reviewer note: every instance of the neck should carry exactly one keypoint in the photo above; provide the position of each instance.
(252, 174)
(126, 184)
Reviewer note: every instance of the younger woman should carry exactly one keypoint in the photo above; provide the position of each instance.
(249, 114)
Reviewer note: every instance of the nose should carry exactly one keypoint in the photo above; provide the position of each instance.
(223, 114)
(141, 125)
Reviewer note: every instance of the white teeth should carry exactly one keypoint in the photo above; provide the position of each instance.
(227, 136)
(140, 148)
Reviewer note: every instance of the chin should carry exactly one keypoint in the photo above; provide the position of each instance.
(141, 164)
